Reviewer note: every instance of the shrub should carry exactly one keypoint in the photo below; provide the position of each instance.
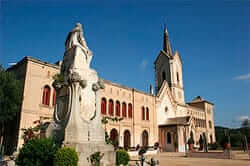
(213, 146)
(66, 157)
(37, 152)
(95, 158)
(224, 141)
(122, 157)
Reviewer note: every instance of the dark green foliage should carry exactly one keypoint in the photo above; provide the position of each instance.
(37, 152)
(122, 157)
(59, 78)
(236, 135)
(245, 123)
(66, 157)
(213, 146)
(106, 119)
(10, 96)
(10, 103)
(95, 158)
(224, 140)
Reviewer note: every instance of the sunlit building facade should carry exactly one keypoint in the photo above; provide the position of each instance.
(162, 116)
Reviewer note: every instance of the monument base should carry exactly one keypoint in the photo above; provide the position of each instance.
(84, 150)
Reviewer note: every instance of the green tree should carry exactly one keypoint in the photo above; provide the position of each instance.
(245, 123)
(246, 128)
(37, 152)
(10, 101)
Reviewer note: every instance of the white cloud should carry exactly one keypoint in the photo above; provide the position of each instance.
(242, 118)
(143, 64)
(242, 77)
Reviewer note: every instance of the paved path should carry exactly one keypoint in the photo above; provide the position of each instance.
(168, 159)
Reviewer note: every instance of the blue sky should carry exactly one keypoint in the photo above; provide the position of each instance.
(212, 38)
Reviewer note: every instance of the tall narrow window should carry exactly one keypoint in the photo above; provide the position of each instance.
(147, 113)
(111, 107)
(211, 139)
(46, 95)
(143, 113)
(163, 76)
(124, 110)
(210, 124)
(103, 106)
(169, 138)
(54, 97)
(130, 110)
(117, 108)
(177, 77)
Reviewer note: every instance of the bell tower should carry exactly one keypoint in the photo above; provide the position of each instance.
(168, 67)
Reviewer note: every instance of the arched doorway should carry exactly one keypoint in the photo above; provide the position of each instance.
(126, 139)
(144, 138)
(114, 137)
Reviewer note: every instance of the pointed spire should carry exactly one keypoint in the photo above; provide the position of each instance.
(165, 29)
(166, 43)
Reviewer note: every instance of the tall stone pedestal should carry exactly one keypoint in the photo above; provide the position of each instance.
(84, 151)
(77, 117)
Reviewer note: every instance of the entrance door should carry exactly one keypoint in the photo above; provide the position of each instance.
(126, 139)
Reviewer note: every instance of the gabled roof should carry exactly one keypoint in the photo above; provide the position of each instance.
(176, 55)
(165, 89)
(199, 99)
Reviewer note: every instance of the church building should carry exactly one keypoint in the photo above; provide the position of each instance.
(147, 117)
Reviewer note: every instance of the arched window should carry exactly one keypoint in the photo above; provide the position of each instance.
(114, 136)
(111, 107)
(54, 97)
(117, 108)
(169, 138)
(210, 124)
(46, 95)
(124, 110)
(104, 106)
(163, 76)
(143, 113)
(130, 110)
(144, 138)
(147, 113)
(126, 139)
